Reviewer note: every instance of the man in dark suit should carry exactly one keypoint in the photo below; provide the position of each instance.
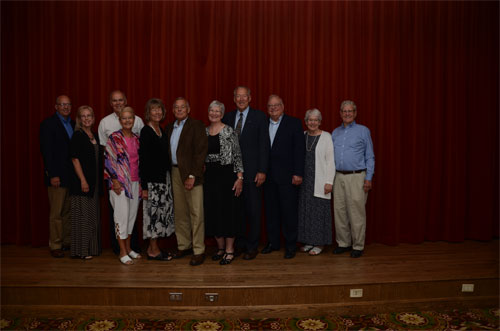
(55, 135)
(188, 149)
(286, 169)
(251, 127)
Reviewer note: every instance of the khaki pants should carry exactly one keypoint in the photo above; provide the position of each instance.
(59, 218)
(349, 200)
(188, 213)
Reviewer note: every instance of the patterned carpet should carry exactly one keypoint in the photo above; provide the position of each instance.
(472, 319)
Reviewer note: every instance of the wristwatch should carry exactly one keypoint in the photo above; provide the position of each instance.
(240, 177)
(190, 176)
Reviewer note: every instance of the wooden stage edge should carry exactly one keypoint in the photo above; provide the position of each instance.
(406, 277)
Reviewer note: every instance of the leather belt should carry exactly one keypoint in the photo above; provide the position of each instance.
(350, 172)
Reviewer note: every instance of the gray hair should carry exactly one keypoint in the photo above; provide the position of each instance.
(313, 112)
(277, 97)
(348, 103)
(180, 98)
(219, 104)
(241, 86)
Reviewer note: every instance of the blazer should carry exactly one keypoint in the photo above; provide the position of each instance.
(54, 146)
(254, 142)
(82, 149)
(191, 150)
(287, 154)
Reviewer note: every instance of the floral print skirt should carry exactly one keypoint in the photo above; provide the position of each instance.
(158, 210)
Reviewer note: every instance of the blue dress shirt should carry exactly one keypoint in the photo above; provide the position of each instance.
(354, 149)
(67, 124)
(273, 128)
(174, 139)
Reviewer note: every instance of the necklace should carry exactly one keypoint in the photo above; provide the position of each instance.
(307, 142)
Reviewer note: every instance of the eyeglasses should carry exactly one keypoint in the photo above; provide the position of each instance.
(213, 110)
(64, 104)
(276, 105)
(348, 111)
(180, 107)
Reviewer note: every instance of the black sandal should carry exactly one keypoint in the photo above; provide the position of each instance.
(225, 260)
(217, 256)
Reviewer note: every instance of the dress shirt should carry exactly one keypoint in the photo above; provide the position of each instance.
(273, 128)
(174, 139)
(66, 122)
(111, 123)
(237, 117)
(354, 149)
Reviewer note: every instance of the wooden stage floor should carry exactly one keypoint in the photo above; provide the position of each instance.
(427, 275)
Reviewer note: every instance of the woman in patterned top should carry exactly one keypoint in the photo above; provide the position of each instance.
(122, 175)
(223, 185)
(154, 170)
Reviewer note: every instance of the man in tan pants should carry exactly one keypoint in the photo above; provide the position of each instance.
(188, 149)
(355, 165)
(55, 135)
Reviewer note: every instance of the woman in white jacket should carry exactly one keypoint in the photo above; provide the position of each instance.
(315, 216)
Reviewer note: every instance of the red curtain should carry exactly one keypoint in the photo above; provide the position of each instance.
(425, 77)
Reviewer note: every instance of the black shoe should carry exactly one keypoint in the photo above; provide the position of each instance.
(238, 251)
(250, 255)
(289, 254)
(178, 254)
(340, 250)
(219, 255)
(225, 259)
(356, 253)
(268, 249)
(161, 257)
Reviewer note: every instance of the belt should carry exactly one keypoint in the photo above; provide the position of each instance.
(350, 172)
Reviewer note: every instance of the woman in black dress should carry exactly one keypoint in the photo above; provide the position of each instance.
(85, 187)
(154, 171)
(223, 184)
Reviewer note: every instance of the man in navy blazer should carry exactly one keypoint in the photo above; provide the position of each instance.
(251, 127)
(285, 172)
(55, 135)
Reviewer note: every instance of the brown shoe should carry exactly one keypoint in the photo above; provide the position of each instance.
(57, 253)
(250, 255)
(197, 259)
(178, 253)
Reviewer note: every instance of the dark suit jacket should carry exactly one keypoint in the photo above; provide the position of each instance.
(286, 157)
(254, 141)
(81, 148)
(54, 145)
(191, 150)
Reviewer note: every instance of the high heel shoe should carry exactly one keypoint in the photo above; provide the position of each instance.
(219, 255)
(225, 259)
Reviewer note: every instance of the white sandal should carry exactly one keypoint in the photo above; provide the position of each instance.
(134, 255)
(125, 259)
(315, 251)
(306, 248)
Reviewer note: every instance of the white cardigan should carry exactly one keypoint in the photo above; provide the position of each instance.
(324, 169)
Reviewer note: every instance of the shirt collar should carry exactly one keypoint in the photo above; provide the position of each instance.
(65, 121)
(349, 126)
(245, 112)
(181, 124)
(277, 122)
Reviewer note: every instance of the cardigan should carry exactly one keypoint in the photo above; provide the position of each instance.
(81, 148)
(230, 152)
(154, 160)
(324, 170)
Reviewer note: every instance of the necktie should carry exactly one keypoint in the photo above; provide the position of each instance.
(239, 124)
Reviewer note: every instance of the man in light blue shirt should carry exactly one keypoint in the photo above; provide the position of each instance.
(355, 165)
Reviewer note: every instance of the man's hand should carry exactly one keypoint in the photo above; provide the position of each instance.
(367, 186)
(189, 184)
(296, 180)
(328, 188)
(260, 178)
(55, 181)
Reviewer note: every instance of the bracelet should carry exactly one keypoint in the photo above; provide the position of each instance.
(240, 177)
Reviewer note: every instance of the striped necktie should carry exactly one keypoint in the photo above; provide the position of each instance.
(239, 125)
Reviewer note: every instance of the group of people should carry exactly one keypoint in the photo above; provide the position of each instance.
(198, 181)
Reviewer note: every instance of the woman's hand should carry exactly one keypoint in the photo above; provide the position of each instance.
(117, 186)
(85, 185)
(144, 194)
(328, 188)
(238, 187)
